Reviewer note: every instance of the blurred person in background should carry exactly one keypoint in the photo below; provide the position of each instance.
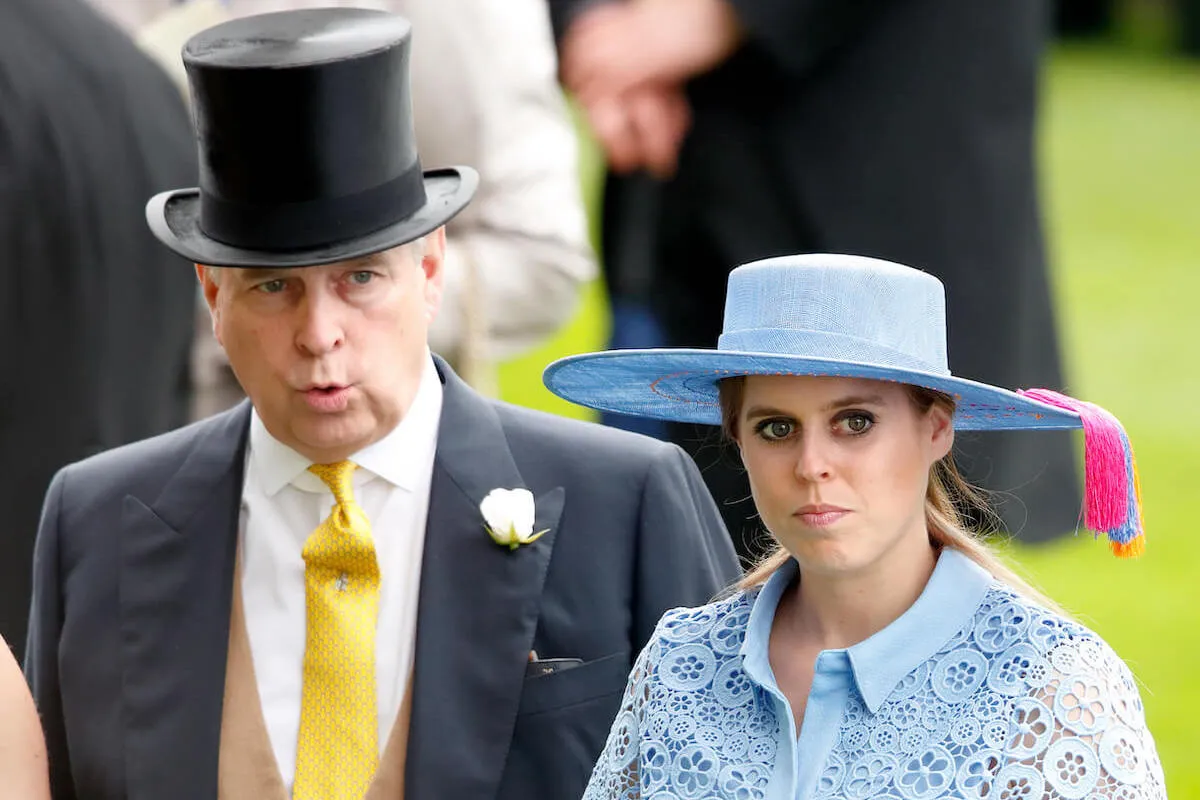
(95, 314)
(485, 94)
(898, 130)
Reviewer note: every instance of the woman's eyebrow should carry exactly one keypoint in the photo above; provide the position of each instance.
(766, 411)
(855, 400)
(841, 402)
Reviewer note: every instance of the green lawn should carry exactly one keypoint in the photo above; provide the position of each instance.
(1121, 166)
(1121, 173)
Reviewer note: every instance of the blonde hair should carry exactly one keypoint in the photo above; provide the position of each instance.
(950, 501)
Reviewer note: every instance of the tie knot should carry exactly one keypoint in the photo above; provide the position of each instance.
(337, 477)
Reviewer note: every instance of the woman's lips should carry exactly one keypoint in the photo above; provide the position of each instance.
(820, 516)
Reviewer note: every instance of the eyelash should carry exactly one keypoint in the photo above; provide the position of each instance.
(761, 427)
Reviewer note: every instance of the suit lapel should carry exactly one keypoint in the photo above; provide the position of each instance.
(177, 566)
(478, 609)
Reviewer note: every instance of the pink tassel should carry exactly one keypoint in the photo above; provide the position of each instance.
(1112, 502)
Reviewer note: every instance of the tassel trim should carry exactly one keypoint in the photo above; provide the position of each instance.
(1112, 487)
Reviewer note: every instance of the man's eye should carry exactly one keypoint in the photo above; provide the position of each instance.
(361, 277)
(272, 287)
(775, 429)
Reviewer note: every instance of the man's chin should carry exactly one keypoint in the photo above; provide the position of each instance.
(326, 437)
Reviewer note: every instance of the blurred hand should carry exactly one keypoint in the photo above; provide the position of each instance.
(616, 47)
(627, 62)
(642, 128)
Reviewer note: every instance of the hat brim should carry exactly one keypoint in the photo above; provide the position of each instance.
(174, 217)
(680, 385)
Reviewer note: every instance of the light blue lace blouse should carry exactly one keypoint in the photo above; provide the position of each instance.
(972, 693)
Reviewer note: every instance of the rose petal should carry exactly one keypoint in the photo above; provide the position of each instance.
(495, 510)
(521, 512)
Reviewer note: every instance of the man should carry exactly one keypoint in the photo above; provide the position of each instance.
(300, 597)
(484, 93)
(94, 312)
(898, 130)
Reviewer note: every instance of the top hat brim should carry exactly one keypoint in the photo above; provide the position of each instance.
(174, 217)
(681, 385)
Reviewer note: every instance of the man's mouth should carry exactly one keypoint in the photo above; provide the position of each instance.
(327, 397)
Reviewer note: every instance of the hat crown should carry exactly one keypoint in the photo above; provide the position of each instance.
(304, 125)
(837, 307)
(296, 38)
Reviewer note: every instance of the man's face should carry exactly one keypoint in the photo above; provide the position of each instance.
(331, 356)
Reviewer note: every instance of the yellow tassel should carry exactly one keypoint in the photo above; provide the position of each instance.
(1135, 548)
(1137, 545)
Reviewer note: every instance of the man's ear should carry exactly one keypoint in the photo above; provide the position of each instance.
(433, 264)
(210, 286)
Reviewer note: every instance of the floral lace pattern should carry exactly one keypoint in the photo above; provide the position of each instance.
(1020, 704)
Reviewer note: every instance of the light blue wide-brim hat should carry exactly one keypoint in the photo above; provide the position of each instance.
(852, 317)
(818, 314)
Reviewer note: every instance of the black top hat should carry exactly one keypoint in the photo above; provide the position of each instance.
(307, 149)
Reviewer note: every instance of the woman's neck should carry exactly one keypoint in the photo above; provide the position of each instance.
(834, 611)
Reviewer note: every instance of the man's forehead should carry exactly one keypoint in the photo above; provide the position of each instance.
(381, 259)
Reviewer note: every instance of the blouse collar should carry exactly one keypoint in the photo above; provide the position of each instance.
(949, 600)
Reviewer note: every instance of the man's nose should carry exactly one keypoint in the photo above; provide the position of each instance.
(319, 329)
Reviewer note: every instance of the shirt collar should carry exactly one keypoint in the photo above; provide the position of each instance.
(950, 598)
(397, 458)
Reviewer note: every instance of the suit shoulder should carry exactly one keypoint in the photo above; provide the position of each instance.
(573, 436)
(139, 467)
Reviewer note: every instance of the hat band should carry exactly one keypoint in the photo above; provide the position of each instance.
(826, 346)
(312, 223)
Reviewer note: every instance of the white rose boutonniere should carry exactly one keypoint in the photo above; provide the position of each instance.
(508, 517)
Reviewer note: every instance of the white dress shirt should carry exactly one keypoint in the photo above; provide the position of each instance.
(282, 504)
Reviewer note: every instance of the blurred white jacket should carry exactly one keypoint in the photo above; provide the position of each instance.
(485, 94)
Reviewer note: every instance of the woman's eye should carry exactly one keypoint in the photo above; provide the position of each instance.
(856, 423)
(775, 429)
(362, 277)
(272, 287)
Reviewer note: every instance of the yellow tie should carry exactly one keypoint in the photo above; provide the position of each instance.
(338, 750)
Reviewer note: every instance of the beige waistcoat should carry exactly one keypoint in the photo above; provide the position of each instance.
(247, 768)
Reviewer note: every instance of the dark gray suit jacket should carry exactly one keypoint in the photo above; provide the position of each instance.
(134, 571)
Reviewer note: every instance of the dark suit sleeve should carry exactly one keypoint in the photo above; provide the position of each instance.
(41, 647)
(799, 33)
(685, 555)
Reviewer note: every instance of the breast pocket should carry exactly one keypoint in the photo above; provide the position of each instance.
(588, 681)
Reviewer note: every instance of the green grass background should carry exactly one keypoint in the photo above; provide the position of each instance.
(1120, 149)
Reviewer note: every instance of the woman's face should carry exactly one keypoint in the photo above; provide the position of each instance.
(839, 466)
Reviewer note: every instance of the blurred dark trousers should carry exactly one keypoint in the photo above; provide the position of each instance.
(634, 326)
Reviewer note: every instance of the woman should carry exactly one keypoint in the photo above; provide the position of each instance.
(882, 651)
(22, 749)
